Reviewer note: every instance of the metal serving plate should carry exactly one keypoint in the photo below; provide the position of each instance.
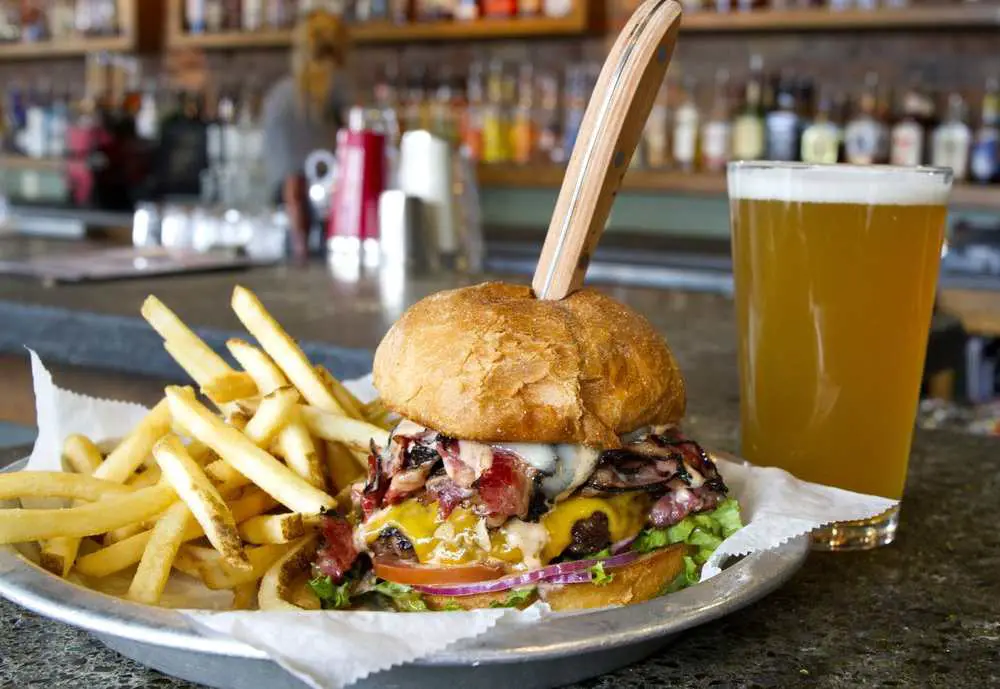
(556, 651)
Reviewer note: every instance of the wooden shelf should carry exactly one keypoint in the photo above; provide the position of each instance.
(59, 49)
(946, 16)
(484, 29)
(986, 197)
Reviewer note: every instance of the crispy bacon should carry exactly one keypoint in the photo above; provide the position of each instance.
(682, 501)
(505, 489)
(404, 484)
(465, 461)
(448, 494)
(376, 485)
(337, 554)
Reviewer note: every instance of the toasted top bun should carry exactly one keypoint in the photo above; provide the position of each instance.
(492, 363)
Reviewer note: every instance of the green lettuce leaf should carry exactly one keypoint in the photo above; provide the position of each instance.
(515, 599)
(704, 532)
(331, 596)
(598, 576)
(404, 598)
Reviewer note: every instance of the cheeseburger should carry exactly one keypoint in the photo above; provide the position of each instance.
(537, 455)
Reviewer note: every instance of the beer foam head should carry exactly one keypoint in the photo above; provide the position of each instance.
(864, 185)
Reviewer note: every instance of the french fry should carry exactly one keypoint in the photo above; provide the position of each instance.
(122, 554)
(187, 563)
(376, 412)
(115, 557)
(238, 420)
(82, 455)
(158, 557)
(224, 474)
(297, 448)
(342, 466)
(272, 416)
(20, 525)
(202, 498)
(58, 554)
(124, 532)
(256, 464)
(245, 596)
(57, 484)
(272, 528)
(232, 386)
(275, 583)
(145, 479)
(266, 375)
(136, 446)
(356, 434)
(187, 348)
(345, 398)
(283, 350)
(219, 575)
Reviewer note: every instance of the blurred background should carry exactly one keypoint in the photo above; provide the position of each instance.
(191, 135)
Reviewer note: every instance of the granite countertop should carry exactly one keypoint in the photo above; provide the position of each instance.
(922, 612)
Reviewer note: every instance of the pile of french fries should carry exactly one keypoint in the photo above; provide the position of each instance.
(227, 488)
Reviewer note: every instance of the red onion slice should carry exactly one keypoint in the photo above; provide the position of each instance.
(576, 572)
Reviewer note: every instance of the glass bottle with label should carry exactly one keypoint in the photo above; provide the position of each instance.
(908, 134)
(654, 134)
(549, 145)
(950, 144)
(782, 124)
(253, 15)
(471, 123)
(523, 125)
(985, 163)
(863, 133)
(576, 103)
(821, 138)
(748, 127)
(716, 140)
(494, 146)
(686, 121)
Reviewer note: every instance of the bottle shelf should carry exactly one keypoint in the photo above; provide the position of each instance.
(964, 195)
(972, 15)
(76, 47)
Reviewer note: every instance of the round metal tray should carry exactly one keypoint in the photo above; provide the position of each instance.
(558, 650)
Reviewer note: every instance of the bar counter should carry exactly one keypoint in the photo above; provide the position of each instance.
(922, 612)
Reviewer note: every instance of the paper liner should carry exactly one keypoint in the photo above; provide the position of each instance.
(333, 649)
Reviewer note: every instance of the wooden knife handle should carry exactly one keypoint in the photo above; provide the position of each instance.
(609, 133)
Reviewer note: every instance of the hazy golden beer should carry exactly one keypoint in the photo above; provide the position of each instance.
(835, 270)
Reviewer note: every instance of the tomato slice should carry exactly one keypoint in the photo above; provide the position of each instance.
(402, 572)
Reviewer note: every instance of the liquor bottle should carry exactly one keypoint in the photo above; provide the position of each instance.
(654, 134)
(494, 143)
(883, 115)
(278, 14)
(748, 127)
(576, 103)
(950, 143)
(442, 122)
(34, 22)
(985, 161)
(58, 125)
(467, 10)
(782, 124)
(549, 145)
(472, 119)
(529, 8)
(36, 121)
(821, 138)
(908, 134)
(863, 132)
(716, 140)
(685, 135)
(523, 124)
(195, 11)
(214, 12)
(253, 15)
(147, 120)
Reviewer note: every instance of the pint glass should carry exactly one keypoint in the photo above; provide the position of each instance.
(835, 269)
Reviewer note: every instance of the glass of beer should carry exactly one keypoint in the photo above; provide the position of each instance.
(835, 269)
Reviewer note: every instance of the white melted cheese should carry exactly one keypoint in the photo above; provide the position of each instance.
(529, 538)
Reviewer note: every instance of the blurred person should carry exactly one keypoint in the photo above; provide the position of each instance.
(302, 112)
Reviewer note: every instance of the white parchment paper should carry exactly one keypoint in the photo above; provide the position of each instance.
(332, 649)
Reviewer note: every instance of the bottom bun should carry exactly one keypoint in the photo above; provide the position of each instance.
(644, 579)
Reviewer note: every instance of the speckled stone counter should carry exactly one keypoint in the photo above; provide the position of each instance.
(922, 612)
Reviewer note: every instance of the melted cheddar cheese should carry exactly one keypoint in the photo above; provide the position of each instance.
(463, 537)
